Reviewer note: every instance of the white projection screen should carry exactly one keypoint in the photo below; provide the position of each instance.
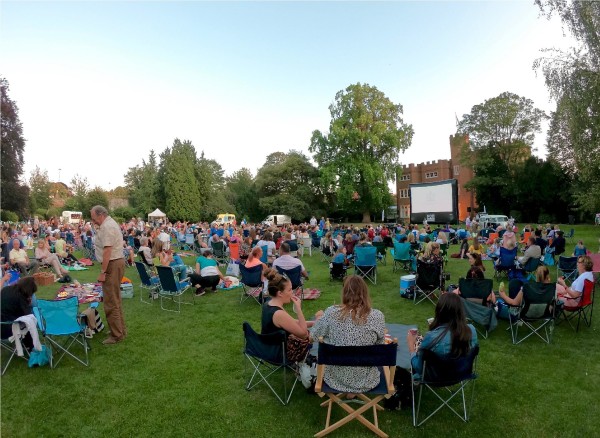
(435, 202)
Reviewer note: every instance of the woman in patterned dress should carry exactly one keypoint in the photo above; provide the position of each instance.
(353, 323)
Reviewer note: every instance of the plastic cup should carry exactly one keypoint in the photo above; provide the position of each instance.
(413, 331)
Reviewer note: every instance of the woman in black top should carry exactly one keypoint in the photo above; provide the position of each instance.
(477, 269)
(559, 243)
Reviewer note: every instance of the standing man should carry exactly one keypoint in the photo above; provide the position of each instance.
(313, 222)
(109, 252)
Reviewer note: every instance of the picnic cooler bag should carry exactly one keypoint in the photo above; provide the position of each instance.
(126, 290)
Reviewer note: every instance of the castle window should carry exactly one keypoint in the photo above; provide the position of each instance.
(404, 193)
(405, 178)
(456, 169)
(431, 175)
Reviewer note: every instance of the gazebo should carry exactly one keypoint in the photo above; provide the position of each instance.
(156, 215)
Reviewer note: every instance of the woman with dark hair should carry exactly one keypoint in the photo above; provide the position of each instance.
(449, 334)
(477, 269)
(353, 322)
(15, 301)
(267, 241)
(274, 316)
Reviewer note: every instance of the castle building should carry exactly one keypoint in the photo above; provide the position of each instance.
(440, 170)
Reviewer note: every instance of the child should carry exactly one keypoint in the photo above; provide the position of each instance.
(493, 251)
(340, 256)
(475, 248)
(580, 250)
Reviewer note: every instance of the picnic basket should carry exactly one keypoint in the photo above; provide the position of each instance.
(43, 278)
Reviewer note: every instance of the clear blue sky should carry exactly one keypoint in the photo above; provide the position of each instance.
(99, 84)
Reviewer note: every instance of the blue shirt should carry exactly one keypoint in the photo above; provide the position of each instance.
(441, 347)
(339, 258)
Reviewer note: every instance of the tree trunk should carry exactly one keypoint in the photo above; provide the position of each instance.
(366, 217)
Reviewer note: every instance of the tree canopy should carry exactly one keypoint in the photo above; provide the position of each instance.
(573, 78)
(13, 194)
(360, 154)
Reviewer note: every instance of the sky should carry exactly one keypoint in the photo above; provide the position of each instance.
(100, 84)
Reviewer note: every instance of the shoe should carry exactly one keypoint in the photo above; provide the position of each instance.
(200, 291)
(110, 340)
(68, 278)
(62, 280)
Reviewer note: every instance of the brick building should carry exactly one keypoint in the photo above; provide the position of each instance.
(432, 171)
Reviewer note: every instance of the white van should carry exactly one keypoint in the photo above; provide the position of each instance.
(277, 219)
(493, 220)
(71, 217)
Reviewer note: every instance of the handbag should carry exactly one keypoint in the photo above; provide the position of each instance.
(297, 348)
(40, 358)
(233, 269)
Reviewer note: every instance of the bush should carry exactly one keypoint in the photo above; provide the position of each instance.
(9, 216)
(123, 212)
(546, 218)
(515, 214)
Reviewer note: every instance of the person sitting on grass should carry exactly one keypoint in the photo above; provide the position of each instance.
(475, 247)
(206, 274)
(63, 251)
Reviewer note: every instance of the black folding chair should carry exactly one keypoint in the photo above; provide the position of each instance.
(267, 356)
(429, 281)
(445, 378)
(536, 312)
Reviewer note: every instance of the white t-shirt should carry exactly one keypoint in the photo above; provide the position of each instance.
(579, 282)
(268, 243)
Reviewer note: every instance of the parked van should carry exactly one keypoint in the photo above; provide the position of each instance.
(277, 219)
(225, 219)
(493, 220)
(71, 217)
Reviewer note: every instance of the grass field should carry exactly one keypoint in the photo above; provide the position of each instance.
(184, 375)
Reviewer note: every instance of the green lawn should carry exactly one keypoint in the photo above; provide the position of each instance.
(184, 375)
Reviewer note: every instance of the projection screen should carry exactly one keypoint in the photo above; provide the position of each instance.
(436, 202)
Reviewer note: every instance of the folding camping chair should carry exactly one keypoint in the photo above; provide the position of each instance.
(327, 253)
(445, 378)
(252, 283)
(531, 266)
(584, 308)
(337, 271)
(267, 355)
(219, 252)
(9, 345)
(402, 256)
(536, 312)
(430, 279)
(63, 328)
(381, 252)
(476, 292)
(234, 252)
(149, 282)
(295, 276)
(306, 246)
(506, 262)
(365, 262)
(189, 242)
(567, 267)
(172, 288)
(382, 356)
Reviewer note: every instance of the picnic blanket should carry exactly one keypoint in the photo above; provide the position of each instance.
(85, 293)
(311, 294)
(74, 267)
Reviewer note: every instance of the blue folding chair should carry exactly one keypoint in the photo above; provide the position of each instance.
(265, 254)
(63, 328)
(365, 262)
(295, 276)
(252, 283)
(148, 282)
(402, 256)
(506, 263)
(172, 288)
(189, 242)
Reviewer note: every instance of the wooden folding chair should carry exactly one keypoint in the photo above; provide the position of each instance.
(382, 356)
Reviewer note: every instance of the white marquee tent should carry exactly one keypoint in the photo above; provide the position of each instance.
(156, 214)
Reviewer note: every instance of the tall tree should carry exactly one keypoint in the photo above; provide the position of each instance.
(573, 78)
(289, 185)
(96, 196)
(181, 187)
(241, 193)
(142, 185)
(211, 181)
(80, 188)
(361, 152)
(39, 189)
(508, 122)
(13, 194)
